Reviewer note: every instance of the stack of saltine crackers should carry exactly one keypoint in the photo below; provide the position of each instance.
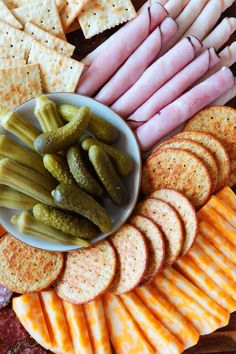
(35, 56)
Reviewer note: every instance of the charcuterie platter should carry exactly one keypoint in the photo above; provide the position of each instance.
(99, 254)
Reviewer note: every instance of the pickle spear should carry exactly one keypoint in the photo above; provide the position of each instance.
(12, 199)
(19, 153)
(20, 127)
(58, 167)
(68, 223)
(73, 198)
(26, 181)
(62, 138)
(108, 175)
(99, 127)
(47, 114)
(124, 165)
(28, 225)
(81, 172)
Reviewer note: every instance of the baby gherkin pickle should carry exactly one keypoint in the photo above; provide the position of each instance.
(99, 127)
(108, 175)
(58, 167)
(81, 172)
(12, 199)
(47, 114)
(68, 223)
(20, 127)
(61, 138)
(124, 165)
(28, 225)
(73, 198)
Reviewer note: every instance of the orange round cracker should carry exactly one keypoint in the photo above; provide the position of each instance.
(217, 149)
(155, 243)
(219, 121)
(132, 251)
(88, 273)
(179, 170)
(167, 218)
(186, 211)
(199, 150)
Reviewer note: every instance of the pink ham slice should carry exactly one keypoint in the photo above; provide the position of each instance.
(228, 96)
(175, 87)
(184, 108)
(175, 7)
(124, 44)
(221, 34)
(157, 75)
(137, 63)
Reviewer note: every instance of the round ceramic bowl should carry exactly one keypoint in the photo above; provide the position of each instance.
(127, 143)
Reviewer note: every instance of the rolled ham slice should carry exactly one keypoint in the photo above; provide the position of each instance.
(221, 34)
(228, 96)
(185, 20)
(208, 18)
(184, 108)
(157, 75)
(175, 87)
(175, 7)
(117, 51)
(137, 63)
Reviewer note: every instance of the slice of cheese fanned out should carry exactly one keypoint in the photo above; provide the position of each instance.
(161, 338)
(124, 334)
(56, 322)
(200, 318)
(199, 278)
(168, 315)
(213, 271)
(78, 328)
(197, 295)
(223, 210)
(228, 197)
(96, 322)
(29, 312)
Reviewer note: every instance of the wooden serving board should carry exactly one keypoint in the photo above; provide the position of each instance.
(224, 340)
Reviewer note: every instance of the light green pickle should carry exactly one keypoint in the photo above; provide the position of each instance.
(27, 224)
(19, 153)
(12, 199)
(99, 127)
(14, 123)
(47, 114)
(58, 168)
(62, 138)
(124, 165)
(68, 223)
(108, 175)
(81, 172)
(26, 181)
(73, 198)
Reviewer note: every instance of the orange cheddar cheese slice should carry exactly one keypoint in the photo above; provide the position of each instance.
(29, 312)
(78, 328)
(125, 335)
(200, 318)
(161, 339)
(223, 210)
(217, 239)
(97, 328)
(210, 215)
(228, 197)
(187, 267)
(167, 314)
(197, 295)
(217, 256)
(2, 231)
(213, 271)
(56, 321)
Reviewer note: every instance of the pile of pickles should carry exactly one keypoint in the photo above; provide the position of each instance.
(58, 180)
